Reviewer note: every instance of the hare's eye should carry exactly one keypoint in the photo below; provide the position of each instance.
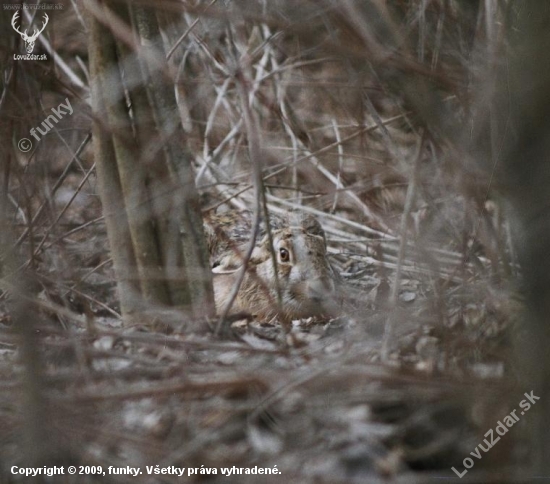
(284, 254)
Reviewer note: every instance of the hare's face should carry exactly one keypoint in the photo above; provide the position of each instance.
(305, 277)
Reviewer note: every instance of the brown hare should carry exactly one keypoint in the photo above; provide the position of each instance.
(306, 279)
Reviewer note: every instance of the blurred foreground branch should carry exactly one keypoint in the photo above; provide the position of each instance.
(143, 160)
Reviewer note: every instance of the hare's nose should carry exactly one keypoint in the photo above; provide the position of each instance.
(318, 289)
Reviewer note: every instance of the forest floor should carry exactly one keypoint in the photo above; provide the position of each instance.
(401, 387)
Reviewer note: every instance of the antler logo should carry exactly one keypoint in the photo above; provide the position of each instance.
(29, 40)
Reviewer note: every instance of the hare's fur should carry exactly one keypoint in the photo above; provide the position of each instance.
(306, 279)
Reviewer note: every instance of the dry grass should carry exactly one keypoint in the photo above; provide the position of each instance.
(359, 111)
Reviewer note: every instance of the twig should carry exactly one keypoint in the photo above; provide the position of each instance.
(409, 201)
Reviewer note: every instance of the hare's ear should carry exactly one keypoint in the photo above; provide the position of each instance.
(226, 264)
(211, 238)
(311, 225)
(277, 222)
(229, 263)
(259, 254)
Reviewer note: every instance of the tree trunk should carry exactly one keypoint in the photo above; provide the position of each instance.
(146, 177)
